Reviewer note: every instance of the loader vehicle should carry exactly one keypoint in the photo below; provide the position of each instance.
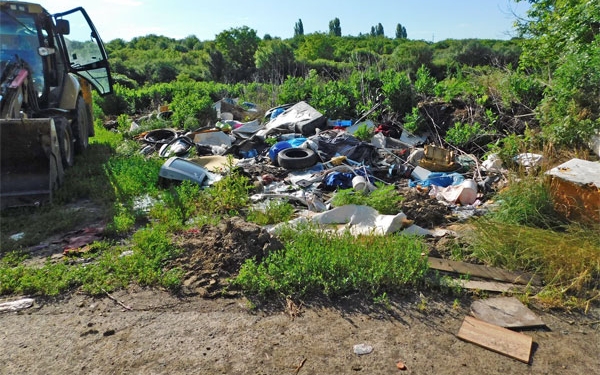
(49, 64)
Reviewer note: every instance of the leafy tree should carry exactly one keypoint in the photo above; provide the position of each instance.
(563, 46)
(410, 55)
(400, 32)
(298, 28)
(216, 65)
(238, 46)
(334, 27)
(475, 53)
(379, 30)
(315, 46)
(274, 60)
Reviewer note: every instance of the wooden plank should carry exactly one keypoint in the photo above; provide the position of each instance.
(490, 286)
(485, 272)
(506, 312)
(501, 340)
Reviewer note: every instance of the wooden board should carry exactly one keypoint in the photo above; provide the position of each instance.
(506, 312)
(485, 272)
(501, 340)
(490, 286)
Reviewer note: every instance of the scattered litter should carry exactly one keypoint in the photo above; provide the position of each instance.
(16, 305)
(362, 349)
(506, 312)
(401, 366)
(78, 241)
(179, 169)
(362, 220)
(126, 253)
(213, 138)
(17, 236)
(465, 193)
(493, 163)
(529, 160)
(438, 159)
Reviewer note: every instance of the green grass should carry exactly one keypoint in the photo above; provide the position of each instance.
(273, 212)
(106, 269)
(317, 262)
(385, 199)
(525, 233)
(528, 202)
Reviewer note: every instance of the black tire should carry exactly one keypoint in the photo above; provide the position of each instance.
(80, 126)
(65, 141)
(296, 158)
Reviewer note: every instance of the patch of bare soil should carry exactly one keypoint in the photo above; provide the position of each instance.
(424, 210)
(163, 334)
(212, 254)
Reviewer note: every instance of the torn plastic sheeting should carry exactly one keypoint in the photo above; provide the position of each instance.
(343, 180)
(441, 179)
(331, 143)
(247, 130)
(213, 138)
(291, 196)
(528, 159)
(411, 139)
(465, 193)
(299, 118)
(361, 219)
(493, 163)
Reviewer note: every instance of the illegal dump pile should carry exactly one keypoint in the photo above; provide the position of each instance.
(355, 176)
(298, 155)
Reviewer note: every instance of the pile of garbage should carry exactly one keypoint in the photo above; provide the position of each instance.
(295, 153)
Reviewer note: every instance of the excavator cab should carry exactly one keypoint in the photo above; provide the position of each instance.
(48, 67)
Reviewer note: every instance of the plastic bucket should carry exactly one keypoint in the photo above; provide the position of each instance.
(359, 183)
(468, 195)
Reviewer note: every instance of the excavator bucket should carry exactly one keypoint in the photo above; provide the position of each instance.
(30, 162)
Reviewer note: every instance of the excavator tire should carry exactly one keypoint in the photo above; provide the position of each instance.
(81, 126)
(65, 141)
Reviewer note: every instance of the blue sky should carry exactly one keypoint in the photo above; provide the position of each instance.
(430, 20)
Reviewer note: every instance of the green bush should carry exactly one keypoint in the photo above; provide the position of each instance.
(323, 263)
(398, 92)
(193, 110)
(425, 83)
(413, 121)
(462, 133)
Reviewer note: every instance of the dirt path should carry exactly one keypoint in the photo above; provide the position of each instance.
(165, 335)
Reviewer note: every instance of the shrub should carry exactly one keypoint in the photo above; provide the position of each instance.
(462, 133)
(335, 264)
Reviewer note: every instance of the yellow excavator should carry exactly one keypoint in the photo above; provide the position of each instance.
(49, 64)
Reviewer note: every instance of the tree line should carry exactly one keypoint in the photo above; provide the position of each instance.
(552, 69)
